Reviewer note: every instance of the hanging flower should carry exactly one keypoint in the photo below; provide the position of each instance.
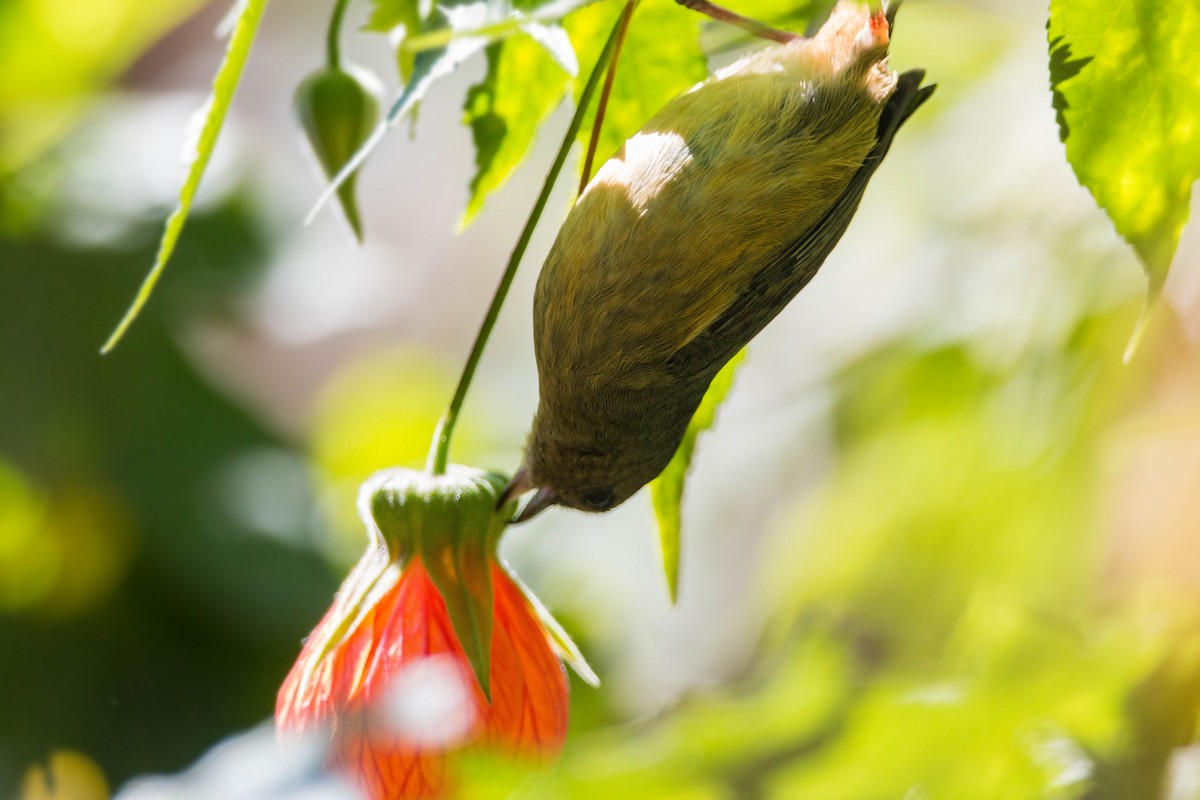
(431, 646)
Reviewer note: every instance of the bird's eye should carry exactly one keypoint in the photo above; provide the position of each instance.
(598, 499)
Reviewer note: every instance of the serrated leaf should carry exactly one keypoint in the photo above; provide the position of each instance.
(523, 85)
(666, 491)
(1128, 105)
(210, 118)
(661, 58)
(453, 33)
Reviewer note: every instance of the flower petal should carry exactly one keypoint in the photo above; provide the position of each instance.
(348, 673)
(529, 686)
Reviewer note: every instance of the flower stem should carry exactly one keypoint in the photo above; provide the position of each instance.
(585, 174)
(439, 453)
(333, 48)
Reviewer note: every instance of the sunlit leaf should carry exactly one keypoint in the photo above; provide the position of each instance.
(54, 58)
(388, 14)
(210, 118)
(1128, 103)
(661, 58)
(666, 491)
(522, 86)
(452, 34)
(553, 37)
(492, 27)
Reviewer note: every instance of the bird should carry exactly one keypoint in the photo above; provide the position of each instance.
(690, 240)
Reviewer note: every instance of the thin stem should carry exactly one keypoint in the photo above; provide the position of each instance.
(439, 453)
(602, 106)
(333, 48)
(745, 23)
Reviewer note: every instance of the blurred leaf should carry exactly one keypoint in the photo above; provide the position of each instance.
(387, 14)
(158, 585)
(918, 518)
(661, 58)
(522, 86)
(1161, 710)
(666, 491)
(210, 118)
(788, 15)
(54, 57)
(1128, 103)
(377, 411)
(59, 555)
(778, 12)
(66, 775)
(930, 36)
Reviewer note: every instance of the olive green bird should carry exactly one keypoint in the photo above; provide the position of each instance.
(690, 240)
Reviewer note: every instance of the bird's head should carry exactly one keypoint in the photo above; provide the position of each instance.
(590, 476)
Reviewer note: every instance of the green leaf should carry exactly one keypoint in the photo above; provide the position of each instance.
(452, 34)
(1128, 103)
(55, 59)
(493, 28)
(666, 491)
(661, 58)
(553, 38)
(524, 83)
(212, 117)
(386, 15)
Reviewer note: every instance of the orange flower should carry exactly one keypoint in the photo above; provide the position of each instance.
(386, 669)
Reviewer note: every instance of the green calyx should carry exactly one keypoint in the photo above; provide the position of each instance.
(338, 110)
(451, 523)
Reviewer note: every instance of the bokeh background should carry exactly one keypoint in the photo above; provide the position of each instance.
(941, 544)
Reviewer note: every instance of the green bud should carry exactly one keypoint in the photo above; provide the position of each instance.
(450, 522)
(338, 111)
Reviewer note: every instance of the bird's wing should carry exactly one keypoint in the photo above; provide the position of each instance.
(772, 288)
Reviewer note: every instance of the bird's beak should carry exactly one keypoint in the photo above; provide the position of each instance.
(518, 484)
(542, 499)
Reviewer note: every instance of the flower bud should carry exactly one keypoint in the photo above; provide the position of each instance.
(338, 110)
